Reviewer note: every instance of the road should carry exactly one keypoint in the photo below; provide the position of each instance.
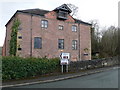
(107, 79)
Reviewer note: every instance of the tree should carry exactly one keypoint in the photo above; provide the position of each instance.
(106, 41)
(95, 36)
(118, 46)
(109, 42)
(73, 8)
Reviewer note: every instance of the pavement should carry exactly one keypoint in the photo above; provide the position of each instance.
(53, 78)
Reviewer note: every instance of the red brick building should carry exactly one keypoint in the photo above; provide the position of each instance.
(48, 33)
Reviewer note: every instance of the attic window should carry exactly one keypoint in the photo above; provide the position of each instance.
(62, 15)
(64, 8)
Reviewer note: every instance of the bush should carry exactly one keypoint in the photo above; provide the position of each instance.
(19, 68)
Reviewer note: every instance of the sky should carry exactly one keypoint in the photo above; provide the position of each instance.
(104, 11)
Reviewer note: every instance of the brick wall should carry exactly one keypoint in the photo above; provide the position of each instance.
(85, 42)
(8, 36)
(50, 37)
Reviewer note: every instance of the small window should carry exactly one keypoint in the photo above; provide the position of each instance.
(74, 44)
(19, 37)
(61, 43)
(19, 48)
(44, 24)
(37, 43)
(60, 27)
(74, 28)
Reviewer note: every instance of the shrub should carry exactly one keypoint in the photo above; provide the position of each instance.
(19, 68)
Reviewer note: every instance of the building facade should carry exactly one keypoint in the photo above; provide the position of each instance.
(43, 33)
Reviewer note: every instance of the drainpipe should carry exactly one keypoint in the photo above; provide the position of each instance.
(31, 36)
(79, 41)
(5, 45)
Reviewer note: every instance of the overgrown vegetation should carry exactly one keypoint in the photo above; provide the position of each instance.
(13, 41)
(20, 68)
(109, 42)
(0, 51)
(105, 41)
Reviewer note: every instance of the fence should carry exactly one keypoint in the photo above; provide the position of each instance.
(96, 63)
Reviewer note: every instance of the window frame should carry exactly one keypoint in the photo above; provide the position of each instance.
(37, 42)
(60, 27)
(44, 24)
(74, 44)
(60, 43)
(74, 28)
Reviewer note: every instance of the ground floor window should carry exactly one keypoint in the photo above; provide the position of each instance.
(74, 44)
(60, 43)
(37, 42)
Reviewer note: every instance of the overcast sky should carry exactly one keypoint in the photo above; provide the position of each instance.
(105, 11)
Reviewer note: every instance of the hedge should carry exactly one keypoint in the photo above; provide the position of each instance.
(19, 68)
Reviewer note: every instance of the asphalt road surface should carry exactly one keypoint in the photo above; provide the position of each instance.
(107, 79)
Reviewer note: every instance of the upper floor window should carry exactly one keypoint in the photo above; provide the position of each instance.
(60, 27)
(74, 28)
(37, 42)
(62, 15)
(61, 43)
(74, 44)
(44, 24)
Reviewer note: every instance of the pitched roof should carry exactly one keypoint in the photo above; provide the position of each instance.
(42, 13)
(63, 7)
(34, 11)
(80, 21)
(30, 11)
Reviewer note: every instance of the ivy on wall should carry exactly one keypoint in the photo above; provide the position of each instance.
(13, 41)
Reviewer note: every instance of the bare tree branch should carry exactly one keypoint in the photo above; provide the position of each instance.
(73, 8)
